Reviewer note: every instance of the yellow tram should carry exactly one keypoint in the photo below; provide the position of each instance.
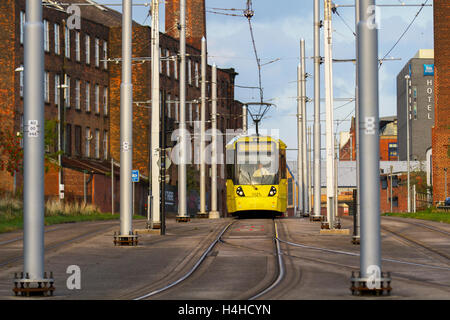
(256, 175)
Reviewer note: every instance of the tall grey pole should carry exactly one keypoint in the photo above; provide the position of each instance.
(356, 233)
(317, 136)
(301, 200)
(182, 213)
(244, 119)
(407, 95)
(214, 214)
(308, 164)
(445, 184)
(202, 131)
(112, 185)
(391, 188)
(370, 258)
(33, 186)
(328, 66)
(304, 119)
(126, 124)
(155, 132)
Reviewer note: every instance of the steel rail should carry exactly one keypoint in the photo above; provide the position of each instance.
(191, 271)
(281, 268)
(357, 255)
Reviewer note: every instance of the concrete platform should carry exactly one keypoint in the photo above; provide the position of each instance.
(335, 231)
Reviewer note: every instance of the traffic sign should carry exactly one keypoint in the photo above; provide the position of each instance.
(135, 175)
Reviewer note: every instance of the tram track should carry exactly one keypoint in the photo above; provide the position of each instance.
(352, 267)
(208, 252)
(57, 243)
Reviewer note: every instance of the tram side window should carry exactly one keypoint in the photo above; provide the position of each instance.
(230, 172)
(282, 164)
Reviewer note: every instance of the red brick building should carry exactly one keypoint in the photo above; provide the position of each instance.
(77, 58)
(388, 141)
(441, 129)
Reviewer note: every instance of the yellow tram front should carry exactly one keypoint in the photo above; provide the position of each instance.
(256, 180)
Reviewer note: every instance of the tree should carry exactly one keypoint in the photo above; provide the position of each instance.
(13, 151)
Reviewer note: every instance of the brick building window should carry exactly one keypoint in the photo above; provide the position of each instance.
(77, 140)
(105, 144)
(88, 138)
(57, 91)
(160, 61)
(167, 63)
(175, 68)
(177, 108)
(97, 143)
(77, 94)
(88, 97)
(97, 99)
(67, 92)
(87, 41)
(22, 26)
(46, 87)
(97, 52)
(190, 112)
(196, 74)
(189, 71)
(67, 42)
(105, 55)
(68, 147)
(21, 81)
(77, 46)
(105, 101)
(169, 107)
(46, 36)
(57, 45)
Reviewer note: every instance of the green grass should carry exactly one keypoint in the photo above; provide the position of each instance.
(11, 214)
(429, 214)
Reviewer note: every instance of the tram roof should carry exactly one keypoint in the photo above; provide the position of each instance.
(253, 137)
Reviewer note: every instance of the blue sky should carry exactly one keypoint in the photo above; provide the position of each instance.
(278, 27)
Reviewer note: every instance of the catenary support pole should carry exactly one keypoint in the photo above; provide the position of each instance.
(317, 133)
(408, 97)
(155, 132)
(202, 132)
(304, 119)
(356, 225)
(328, 65)
(301, 201)
(182, 212)
(33, 186)
(244, 119)
(214, 214)
(112, 185)
(126, 124)
(370, 275)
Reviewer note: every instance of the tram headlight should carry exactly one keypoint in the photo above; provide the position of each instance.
(240, 192)
(272, 192)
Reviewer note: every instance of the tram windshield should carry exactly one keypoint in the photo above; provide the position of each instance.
(256, 174)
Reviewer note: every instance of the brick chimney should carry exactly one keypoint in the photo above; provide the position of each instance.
(195, 21)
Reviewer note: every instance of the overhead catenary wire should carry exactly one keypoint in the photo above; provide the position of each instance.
(404, 32)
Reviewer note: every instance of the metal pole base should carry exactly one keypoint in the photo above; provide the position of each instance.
(337, 223)
(359, 285)
(355, 239)
(156, 225)
(202, 215)
(183, 219)
(324, 225)
(214, 215)
(126, 240)
(26, 287)
(316, 218)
